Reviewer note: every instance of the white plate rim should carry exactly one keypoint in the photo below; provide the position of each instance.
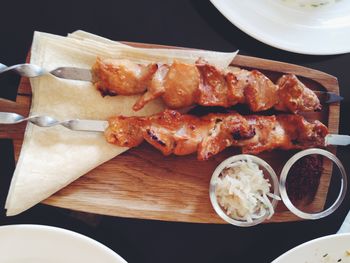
(65, 232)
(264, 38)
(312, 242)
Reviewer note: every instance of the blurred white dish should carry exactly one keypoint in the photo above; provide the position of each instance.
(323, 30)
(325, 249)
(44, 244)
(333, 248)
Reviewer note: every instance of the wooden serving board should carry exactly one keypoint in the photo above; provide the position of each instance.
(142, 183)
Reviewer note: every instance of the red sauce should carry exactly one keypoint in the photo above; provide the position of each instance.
(304, 178)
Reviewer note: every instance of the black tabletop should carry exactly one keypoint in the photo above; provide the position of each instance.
(184, 23)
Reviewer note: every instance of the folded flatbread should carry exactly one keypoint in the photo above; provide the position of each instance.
(51, 158)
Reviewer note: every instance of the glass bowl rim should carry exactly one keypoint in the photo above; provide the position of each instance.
(273, 180)
(283, 179)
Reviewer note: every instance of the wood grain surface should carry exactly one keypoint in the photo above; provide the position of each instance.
(142, 183)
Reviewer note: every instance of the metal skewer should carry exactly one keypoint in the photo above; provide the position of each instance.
(100, 126)
(31, 71)
(46, 121)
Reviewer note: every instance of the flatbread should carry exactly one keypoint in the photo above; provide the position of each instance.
(83, 35)
(51, 158)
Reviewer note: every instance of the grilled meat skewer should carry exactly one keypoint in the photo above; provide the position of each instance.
(174, 133)
(181, 85)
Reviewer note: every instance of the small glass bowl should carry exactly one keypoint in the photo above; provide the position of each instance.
(283, 180)
(269, 174)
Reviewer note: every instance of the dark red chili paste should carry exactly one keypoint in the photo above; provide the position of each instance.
(304, 178)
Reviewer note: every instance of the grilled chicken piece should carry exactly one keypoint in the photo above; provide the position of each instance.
(294, 96)
(121, 78)
(181, 85)
(284, 132)
(173, 133)
(255, 89)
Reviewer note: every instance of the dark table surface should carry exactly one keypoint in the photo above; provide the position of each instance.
(194, 24)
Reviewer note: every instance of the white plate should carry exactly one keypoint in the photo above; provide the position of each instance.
(316, 31)
(325, 249)
(44, 244)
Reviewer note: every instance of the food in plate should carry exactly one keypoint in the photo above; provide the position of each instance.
(174, 133)
(181, 84)
(243, 192)
(309, 3)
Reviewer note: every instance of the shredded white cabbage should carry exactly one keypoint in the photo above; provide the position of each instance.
(242, 191)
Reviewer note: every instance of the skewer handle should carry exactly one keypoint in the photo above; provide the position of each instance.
(337, 139)
(24, 70)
